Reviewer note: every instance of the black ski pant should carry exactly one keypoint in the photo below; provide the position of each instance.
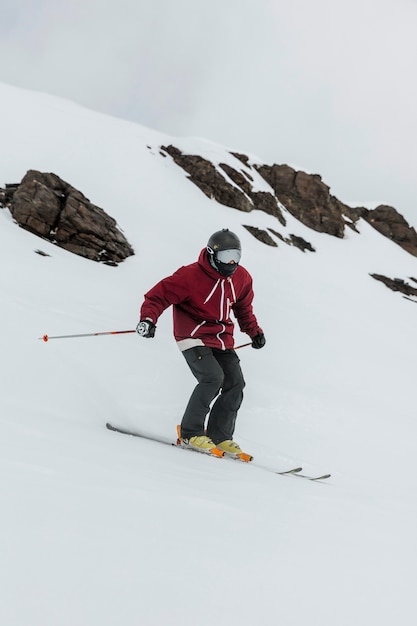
(219, 375)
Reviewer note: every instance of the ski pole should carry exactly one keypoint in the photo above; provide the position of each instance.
(111, 332)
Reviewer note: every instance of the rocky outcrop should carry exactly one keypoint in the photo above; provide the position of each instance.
(303, 195)
(53, 209)
(207, 178)
(49, 207)
(387, 221)
(307, 198)
(261, 235)
(397, 284)
(294, 240)
(225, 184)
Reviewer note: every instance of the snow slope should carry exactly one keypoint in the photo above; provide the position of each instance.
(100, 528)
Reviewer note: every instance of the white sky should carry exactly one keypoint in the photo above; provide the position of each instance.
(327, 86)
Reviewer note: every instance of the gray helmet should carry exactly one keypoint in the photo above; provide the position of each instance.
(224, 250)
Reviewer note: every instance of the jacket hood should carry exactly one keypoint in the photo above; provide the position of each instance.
(204, 262)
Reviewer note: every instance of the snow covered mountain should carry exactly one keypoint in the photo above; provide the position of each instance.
(100, 528)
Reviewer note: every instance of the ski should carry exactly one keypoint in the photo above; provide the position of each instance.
(125, 431)
(167, 442)
(296, 471)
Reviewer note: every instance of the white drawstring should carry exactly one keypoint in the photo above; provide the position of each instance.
(211, 292)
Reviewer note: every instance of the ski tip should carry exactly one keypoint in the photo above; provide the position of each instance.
(321, 477)
(296, 470)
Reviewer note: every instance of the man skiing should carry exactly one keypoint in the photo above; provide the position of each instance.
(203, 295)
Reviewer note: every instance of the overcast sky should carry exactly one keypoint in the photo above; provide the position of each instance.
(328, 86)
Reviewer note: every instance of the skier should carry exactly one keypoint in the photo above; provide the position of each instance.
(203, 295)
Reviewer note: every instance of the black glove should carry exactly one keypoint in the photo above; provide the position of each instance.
(258, 341)
(146, 328)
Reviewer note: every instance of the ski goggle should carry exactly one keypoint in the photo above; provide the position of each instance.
(226, 256)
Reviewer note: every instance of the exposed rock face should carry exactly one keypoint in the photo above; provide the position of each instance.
(303, 195)
(307, 198)
(294, 240)
(261, 235)
(209, 180)
(216, 185)
(49, 207)
(390, 223)
(397, 284)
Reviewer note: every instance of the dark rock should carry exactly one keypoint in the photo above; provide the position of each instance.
(42, 253)
(49, 207)
(242, 157)
(240, 179)
(266, 202)
(301, 243)
(209, 179)
(6, 195)
(261, 235)
(306, 197)
(386, 220)
(303, 195)
(294, 240)
(396, 284)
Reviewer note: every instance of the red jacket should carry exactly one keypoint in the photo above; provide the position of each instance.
(202, 301)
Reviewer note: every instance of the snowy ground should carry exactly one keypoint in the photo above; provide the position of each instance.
(100, 528)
